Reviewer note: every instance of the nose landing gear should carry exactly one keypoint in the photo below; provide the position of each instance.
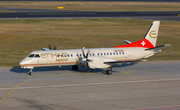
(30, 72)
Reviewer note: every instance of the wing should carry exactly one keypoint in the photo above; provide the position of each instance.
(116, 62)
(45, 49)
(128, 42)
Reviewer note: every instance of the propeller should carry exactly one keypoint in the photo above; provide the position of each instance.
(85, 59)
(49, 46)
(53, 48)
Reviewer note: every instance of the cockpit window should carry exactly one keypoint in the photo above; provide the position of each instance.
(34, 55)
(37, 56)
(31, 55)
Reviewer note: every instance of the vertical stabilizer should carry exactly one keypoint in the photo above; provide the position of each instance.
(152, 33)
(149, 40)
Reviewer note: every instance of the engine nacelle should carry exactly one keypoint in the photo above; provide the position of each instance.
(98, 62)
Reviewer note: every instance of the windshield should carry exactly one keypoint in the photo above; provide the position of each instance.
(31, 55)
(34, 56)
(37, 56)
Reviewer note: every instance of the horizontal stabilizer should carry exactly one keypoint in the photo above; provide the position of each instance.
(128, 42)
(45, 49)
(159, 48)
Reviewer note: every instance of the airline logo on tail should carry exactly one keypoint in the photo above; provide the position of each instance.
(153, 34)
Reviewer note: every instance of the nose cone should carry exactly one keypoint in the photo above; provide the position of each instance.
(22, 62)
(25, 61)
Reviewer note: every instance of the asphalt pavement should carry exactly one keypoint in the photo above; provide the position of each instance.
(104, 0)
(143, 86)
(58, 14)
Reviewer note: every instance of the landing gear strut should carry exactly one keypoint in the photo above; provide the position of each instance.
(30, 72)
(109, 71)
(75, 67)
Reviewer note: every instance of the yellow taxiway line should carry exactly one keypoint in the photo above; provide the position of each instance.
(15, 88)
(26, 81)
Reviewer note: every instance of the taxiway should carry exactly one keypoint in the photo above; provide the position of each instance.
(62, 14)
(143, 86)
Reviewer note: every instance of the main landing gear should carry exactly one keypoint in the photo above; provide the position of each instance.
(30, 72)
(109, 71)
(75, 67)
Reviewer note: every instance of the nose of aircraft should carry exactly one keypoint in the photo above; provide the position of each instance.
(24, 61)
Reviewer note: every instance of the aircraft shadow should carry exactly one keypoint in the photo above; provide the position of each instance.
(18, 69)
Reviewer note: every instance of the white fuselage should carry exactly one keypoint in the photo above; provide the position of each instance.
(72, 56)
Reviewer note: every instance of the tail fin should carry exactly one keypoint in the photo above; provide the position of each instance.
(152, 33)
(149, 40)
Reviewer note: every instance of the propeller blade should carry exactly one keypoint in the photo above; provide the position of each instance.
(49, 46)
(54, 47)
(82, 67)
(83, 52)
(88, 69)
(87, 54)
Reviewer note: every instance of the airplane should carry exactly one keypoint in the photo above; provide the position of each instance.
(97, 57)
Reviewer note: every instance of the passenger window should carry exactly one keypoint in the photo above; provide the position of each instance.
(101, 54)
(31, 55)
(104, 53)
(116, 53)
(93, 54)
(107, 53)
(71, 55)
(37, 56)
(98, 54)
(113, 53)
(77, 55)
(119, 53)
(110, 53)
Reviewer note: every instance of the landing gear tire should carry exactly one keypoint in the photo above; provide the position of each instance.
(75, 67)
(109, 71)
(30, 73)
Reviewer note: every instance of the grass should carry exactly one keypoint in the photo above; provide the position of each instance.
(19, 37)
(96, 6)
